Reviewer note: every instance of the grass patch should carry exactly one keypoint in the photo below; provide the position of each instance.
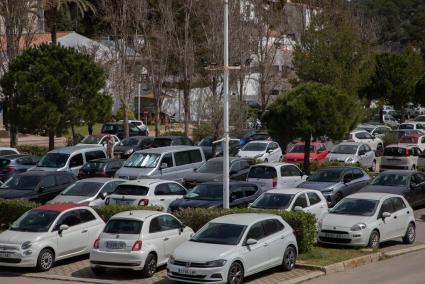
(323, 256)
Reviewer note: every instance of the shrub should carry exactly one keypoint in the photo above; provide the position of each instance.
(106, 212)
(120, 114)
(304, 224)
(390, 138)
(33, 150)
(12, 209)
(202, 130)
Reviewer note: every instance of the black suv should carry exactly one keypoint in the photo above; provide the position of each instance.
(117, 128)
(128, 146)
(164, 141)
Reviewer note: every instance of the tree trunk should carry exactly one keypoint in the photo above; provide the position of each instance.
(157, 117)
(126, 130)
(307, 141)
(74, 139)
(90, 128)
(186, 106)
(263, 95)
(13, 135)
(51, 139)
(241, 85)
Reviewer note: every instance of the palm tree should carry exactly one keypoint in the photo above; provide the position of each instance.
(54, 8)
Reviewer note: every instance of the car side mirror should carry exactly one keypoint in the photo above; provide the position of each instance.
(41, 188)
(250, 242)
(269, 151)
(386, 215)
(298, 209)
(194, 169)
(164, 165)
(103, 195)
(347, 179)
(63, 227)
(413, 186)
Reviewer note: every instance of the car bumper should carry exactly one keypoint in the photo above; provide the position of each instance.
(125, 260)
(197, 275)
(20, 260)
(348, 238)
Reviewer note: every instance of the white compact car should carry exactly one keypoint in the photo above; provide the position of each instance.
(49, 233)
(99, 139)
(367, 219)
(232, 247)
(362, 136)
(266, 151)
(401, 157)
(276, 175)
(153, 192)
(138, 240)
(353, 153)
(293, 199)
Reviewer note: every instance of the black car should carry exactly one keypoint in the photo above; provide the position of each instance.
(212, 170)
(410, 184)
(11, 165)
(100, 168)
(210, 195)
(207, 144)
(117, 128)
(132, 144)
(164, 141)
(37, 186)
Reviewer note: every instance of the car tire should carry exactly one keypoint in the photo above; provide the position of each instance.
(235, 274)
(410, 236)
(289, 259)
(98, 270)
(150, 266)
(45, 260)
(374, 240)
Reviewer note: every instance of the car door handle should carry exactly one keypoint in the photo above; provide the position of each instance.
(395, 217)
(265, 245)
(282, 237)
(166, 239)
(84, 231)
(162, 199)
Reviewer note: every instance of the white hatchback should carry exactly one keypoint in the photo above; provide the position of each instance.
(362, 136)
(266, 151)
(49, 233)
(144, 192)
(276, 175)
(232, 247)
(138, 240)
(367, 219)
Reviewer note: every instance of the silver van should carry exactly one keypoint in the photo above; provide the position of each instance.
(172, 163)
(69, 158)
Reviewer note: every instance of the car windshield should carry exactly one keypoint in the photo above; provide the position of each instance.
(219, 233)
(53, 160)
(299, 148)
(212, 166)
(161, 142)
(387, 179)
(22, 182)
(83, 188)
(129, 189)
(35, 221)
(91, 139)
(356, 207)
(365, 128)
(345, 149)
(213, 192)
(273, 201)
(142, 160)
(123, 226)
(406, 126)
(395, 151)
(262, 172)
(94, 165)
(409, 139)
(327, 175)
(207, 141)
(129, 142)
(253, 146)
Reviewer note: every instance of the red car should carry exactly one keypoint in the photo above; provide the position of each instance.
(318, 152)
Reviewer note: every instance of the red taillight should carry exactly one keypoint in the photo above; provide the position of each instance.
(137, 246)
(274, 182)
(8, 169)
(143, 202)
(407, 152)
(96, 244)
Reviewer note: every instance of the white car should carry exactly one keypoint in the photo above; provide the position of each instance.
(362, 136)
(266, 151)
(90, 191)
(139, 124)
(49, 233)
(8, 151)
(413, 125)
(144, 192)
(413, 140)
(138, 240)
(232, 247)
(353, 153)
(276, 175)
(98, 139)
(368, 219)
(401, 157)
(389, 120)
(293, 199)
(376, 130)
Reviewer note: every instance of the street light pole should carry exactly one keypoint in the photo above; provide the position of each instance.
(138, 101)
(226, 198)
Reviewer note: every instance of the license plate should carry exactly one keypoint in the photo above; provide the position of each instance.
(123, 202)
(115, 245)
(5, 254)
(186, 271)
(335, 236)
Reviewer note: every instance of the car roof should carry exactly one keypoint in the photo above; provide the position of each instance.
(139, 214)
(372, 195)
(230, 159)
(231, 182)
(340, 168)
(8, 148)
(274, 164)
(401, 145)
(398, 172)
(146, 181)
(100, 179)
(59, 207)
(260, 141)
(243, 219)
(170, 137)
(43, 173)
(358, 131)
(161, 150)
(14, 156)
(311, 143)
(416, 135)
(71, 149)
(350, 143)
(291, 190)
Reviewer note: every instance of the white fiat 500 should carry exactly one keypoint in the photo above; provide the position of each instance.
(49, 233)
(367, 219)
(138, 240)
(231, 247)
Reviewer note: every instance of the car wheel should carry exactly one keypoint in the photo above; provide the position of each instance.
(150, 266)
(235, 275)
(374, 240)
(45, 260)
(410, 236)
(98, 270)
(289, 258)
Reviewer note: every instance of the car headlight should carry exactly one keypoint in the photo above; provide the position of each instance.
(128, 152)
(358, 227)
(171, 260)
(258, 156)
(216, 263)
(349, 160)
(26, 245)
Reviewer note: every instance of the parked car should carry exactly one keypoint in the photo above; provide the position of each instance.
(69, 159)
(100, 168)
(362, 136)
(164, 141)
(212, 170)
(276, 175)
(232, 247)
(11, 165)
(117, 128)
(4, 151)
(420, 118)
(39, 187)
(207, 144)
(138, 240)
(98, 139)
(412, 125)
(153, 192)
(90, 191)
(375, 130)
(259, 136)
(403, 132)
(414, 140)
(353, 153)
(409, 184)
(49, 233)
(293, 199)
(244, 135)
(318, 152)
(368, 219)
(172, 162)
(401, 157)
(390, 120)
(139, 124)
(129, 145)
(337, 182)
(210, 195)
(266, 151)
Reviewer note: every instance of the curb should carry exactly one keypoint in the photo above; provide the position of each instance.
(300, 279)
(69, 278)
(403, 251)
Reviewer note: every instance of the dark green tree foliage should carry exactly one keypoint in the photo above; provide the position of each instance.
(312, 110)
(50, 88)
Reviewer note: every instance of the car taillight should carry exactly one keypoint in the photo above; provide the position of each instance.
(407, 152)
(137, 246)
(8, 169)
(107, 200)
(96, 244)
(143, 202)
(274, 182)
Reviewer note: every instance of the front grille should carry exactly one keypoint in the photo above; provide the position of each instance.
(8, 248)
(334, 232)
(10, 260)
(184, 276)
(115, 263)
(335, 240)
(189, 264)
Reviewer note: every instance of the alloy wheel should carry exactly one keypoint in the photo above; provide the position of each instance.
(290, 259)
(152, 266)
(46, 260)
(236, 274)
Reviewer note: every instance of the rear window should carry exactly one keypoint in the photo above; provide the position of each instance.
(127, 189)
(123, 226)
(94, 165)
(395, 151)
(406, 139)
(262, 172)
(4, 163)
(406, 126)
(161, 142)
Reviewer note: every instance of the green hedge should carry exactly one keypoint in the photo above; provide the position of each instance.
(106, 212)
(304, 224)
(316, 165)
(33, 150)
(12, 209)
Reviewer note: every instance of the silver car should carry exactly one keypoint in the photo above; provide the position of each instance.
(353, 153)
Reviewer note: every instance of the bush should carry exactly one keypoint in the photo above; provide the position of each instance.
(120, 114)
(304, 224)
(173, 133)
(390, 138)
(202, 130)
(12, 209)
(33, 150)
(106, 212)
